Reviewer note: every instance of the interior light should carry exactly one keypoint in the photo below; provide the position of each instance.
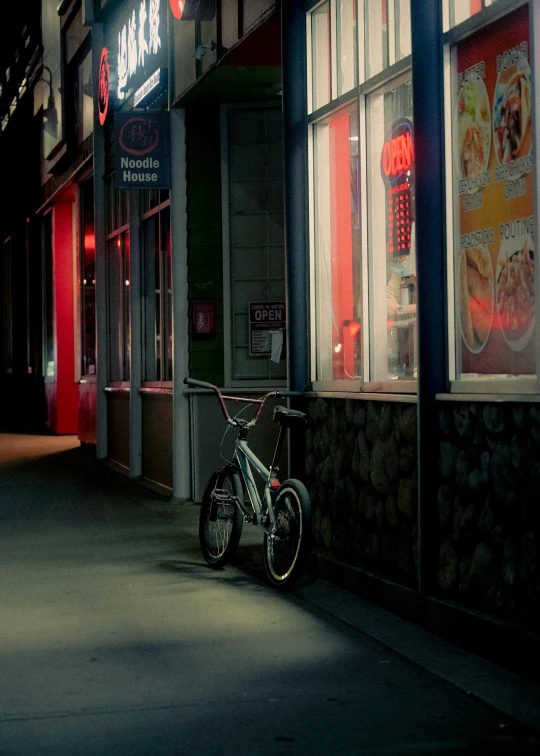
(338, 348)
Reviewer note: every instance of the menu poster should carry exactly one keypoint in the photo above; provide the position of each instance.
(493, 170)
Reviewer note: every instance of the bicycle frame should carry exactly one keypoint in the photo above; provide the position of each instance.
(246, 460)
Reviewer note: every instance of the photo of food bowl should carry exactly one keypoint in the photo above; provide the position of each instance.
(515, 291)
(476, 297)
(473, 129)
(512, 131)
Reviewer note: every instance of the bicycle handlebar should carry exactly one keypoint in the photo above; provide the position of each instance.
(222, 397)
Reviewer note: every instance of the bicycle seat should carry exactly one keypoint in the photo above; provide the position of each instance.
(287, 417)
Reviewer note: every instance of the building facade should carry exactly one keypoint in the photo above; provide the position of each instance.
(359, 173)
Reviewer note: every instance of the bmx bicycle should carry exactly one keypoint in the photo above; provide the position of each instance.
(283, 512)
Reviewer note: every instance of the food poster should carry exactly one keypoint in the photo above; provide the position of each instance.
(493, 182)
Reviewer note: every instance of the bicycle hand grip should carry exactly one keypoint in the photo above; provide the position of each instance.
(199, 384)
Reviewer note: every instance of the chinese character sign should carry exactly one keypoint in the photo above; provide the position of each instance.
(139, 39)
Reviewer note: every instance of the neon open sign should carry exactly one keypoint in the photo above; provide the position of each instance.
(397, 161)
(398, 152)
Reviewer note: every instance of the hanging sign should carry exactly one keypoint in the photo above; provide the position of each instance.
(397, 160)
(141, 147)
(267, 322)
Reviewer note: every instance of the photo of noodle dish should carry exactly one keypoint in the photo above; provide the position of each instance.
(473, 129)
(476, 296)
(515, 291)
(512, 132)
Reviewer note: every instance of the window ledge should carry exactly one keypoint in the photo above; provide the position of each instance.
(363, 396)
(530, 398)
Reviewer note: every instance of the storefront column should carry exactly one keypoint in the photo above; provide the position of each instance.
(428, 109)
(296, 191)
(135, 352)
(181, 420)
(101, 265)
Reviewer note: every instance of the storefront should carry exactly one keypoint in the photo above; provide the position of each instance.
(66, 217)
(422, 451)
(185, 264)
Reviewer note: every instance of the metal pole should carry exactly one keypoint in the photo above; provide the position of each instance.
(102, 346)
(135, 371)
(181, 420)
(296, 191)
(428, 112)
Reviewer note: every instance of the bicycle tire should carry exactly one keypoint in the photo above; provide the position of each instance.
(285, 553)
(220, 517)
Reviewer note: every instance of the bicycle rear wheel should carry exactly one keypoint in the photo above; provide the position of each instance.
(220, 518)
(286, 551)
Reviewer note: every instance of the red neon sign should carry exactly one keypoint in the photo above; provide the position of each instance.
(177, 7)
(103, 86)
(397, 155)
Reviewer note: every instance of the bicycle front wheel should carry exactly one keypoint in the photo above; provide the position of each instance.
(220, 519)
(286, 550)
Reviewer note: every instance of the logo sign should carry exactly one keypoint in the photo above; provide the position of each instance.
(186, 10)
(142, 150)
(397, 166)
(267, 321)
(104, 78)
(137, 41)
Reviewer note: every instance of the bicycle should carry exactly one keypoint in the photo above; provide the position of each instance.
(284, 511)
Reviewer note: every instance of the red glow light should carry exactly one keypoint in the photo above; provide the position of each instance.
(177, 7)
(89, 242)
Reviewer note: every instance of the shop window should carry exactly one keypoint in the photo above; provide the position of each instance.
(83, 102)
(391, 234)
(88, 280)
(118, 307)
(337, 246)
(254, 237)
(491, 167)
(157, 302)
(362, 218)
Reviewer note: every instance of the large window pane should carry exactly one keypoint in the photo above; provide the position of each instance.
(494, 224)
(256, 238)
(347, 35)
(392, 270)
(337, 253)
(376, 36)
(157, 286)
(320, 44)
(88, 281)
(118, 308)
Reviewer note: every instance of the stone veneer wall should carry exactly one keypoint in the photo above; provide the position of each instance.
(489, 508)
(361, 464)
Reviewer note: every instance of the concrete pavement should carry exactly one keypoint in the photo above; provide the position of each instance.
(115, 638)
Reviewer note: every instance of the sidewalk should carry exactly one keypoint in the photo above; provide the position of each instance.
(115, 633)
(512, 694)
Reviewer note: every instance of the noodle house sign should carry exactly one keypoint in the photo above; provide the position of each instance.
(142, 150)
